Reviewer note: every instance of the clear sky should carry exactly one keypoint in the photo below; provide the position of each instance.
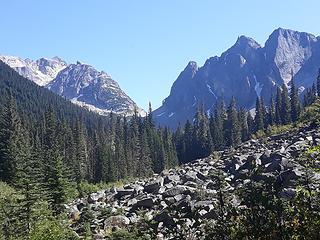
(144, 44)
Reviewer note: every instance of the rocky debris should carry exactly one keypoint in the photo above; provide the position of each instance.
(124, 192)
(144, 203)
(188, 196)
(116, 222)
(154, 185)
(96, 197)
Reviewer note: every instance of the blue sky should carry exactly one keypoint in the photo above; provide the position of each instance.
(144, 44)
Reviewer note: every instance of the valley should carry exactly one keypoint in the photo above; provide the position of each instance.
(232, 153)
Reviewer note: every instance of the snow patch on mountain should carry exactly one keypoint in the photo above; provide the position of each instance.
(41, 71)
(80, 83)
(210, 90)
(95, 90)
(171, 114)
(258, 86)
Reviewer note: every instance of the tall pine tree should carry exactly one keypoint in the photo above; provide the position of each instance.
(285, 106)
(278, 108)
(259, 118)
(318, 83)
(10, 140)
(294, 102)
(233, 127)
(272, 112)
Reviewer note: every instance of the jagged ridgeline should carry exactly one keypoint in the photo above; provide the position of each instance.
(245, 71)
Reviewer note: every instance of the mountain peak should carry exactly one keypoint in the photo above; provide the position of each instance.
(192, 65)
(244, 41)
(191, 69)
(291, 34)
(85, 86)
(78, 82)
(289, 50)
(244, 46)
(41, 71)
(58, 59)
(246, 70)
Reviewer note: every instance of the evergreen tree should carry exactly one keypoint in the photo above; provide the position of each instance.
(150, 117)
(285, 107)
(272, 112)
(10, 140)
(318, 83)
(278, 111)
(28, 180)
(245, 135)
(188, 137)
(218, 127)
(135, 144)
(144, 162)
(202, 134)
(57, 185)
(81, 160)
(55, 173)
(264, 114)
(259, 118)
(233, 127)
(119, 151)
(294, 102)
(180, 144)
(309, 96)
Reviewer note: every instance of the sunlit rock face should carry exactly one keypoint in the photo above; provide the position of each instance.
(246, 70)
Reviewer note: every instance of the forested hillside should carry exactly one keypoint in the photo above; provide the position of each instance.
(51, 148)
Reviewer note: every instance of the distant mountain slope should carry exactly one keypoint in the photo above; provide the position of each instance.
(80, 83)
(97, 91)
(41, 71)
(33, 100)
(246, 70)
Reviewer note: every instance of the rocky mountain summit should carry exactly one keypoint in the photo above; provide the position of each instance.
(80, 83)
(41, 71)
(246, 71)
(97, 91)
(181, 202)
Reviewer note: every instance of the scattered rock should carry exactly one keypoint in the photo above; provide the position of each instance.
(153, 186)
(116, 222)
(186, 197)
(144, 203)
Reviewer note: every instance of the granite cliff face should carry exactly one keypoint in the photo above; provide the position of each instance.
(246, 70)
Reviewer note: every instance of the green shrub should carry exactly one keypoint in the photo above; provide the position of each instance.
(312, 113)
(87, 188)
(8, 198)
(52, 229)
(123, 234)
